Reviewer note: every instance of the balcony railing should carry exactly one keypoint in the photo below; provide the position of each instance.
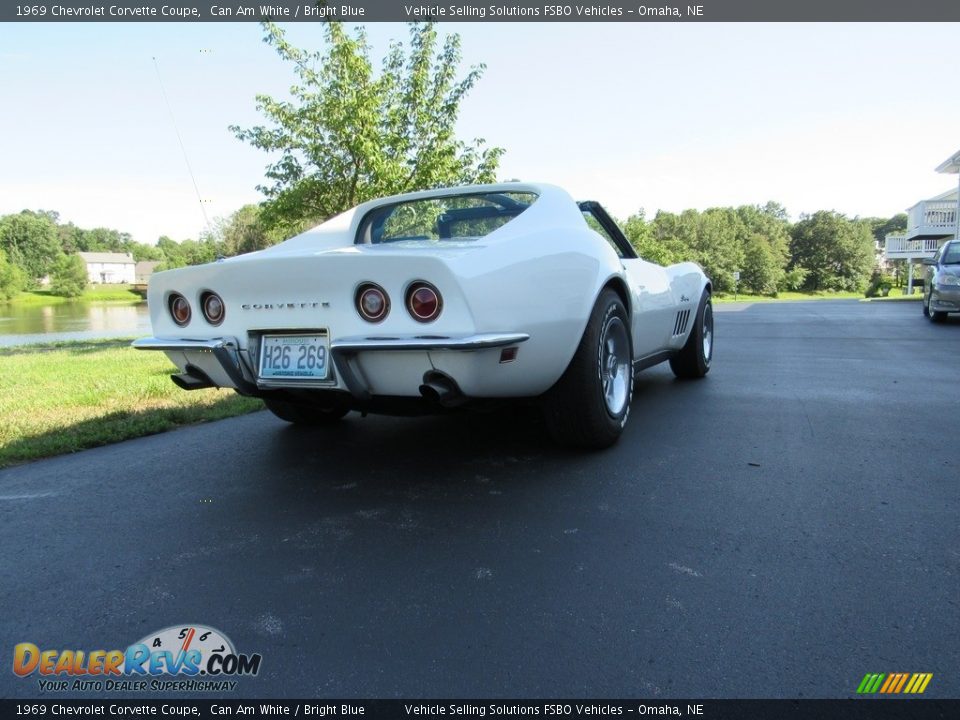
(899, 247)
(932, 217)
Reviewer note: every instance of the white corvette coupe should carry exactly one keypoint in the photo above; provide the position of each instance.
(435, 300)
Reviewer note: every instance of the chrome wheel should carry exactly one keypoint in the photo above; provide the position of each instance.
(707, 331)
(615, 365)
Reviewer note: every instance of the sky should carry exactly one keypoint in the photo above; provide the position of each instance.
(659, 116)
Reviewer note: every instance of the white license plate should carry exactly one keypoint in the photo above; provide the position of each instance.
(298, 357)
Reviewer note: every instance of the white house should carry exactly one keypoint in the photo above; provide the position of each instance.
(109, 267)
(930, 223)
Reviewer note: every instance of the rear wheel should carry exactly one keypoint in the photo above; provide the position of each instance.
(304, 413)
(693, 361)
(589, 405)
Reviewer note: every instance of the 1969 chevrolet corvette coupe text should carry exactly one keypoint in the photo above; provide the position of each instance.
(439, 299)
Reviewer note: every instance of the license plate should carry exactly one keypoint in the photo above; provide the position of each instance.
(298, 357)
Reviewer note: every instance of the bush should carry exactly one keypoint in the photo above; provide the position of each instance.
(12, 278)
(69, 276)
(880, 284)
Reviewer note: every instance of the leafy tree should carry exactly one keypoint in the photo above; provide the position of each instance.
(661, 250)
(766, 247)
(142, 251)
(30, 241)
(69, 276)
(881, 227)
(245, 232)
(837, 252)
(105, 240)
(349, 135)
(189, 252)
(762, 271)
(12, 279)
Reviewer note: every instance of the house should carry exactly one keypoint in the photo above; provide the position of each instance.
(109, 267)
(143, 270)
(930, 223)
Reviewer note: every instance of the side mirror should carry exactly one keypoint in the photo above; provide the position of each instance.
(928, 261)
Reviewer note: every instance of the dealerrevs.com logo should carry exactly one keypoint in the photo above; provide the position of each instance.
(177, 659)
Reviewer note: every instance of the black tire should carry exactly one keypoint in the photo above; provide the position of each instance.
(590, 403)
(926, 306)
(305, 414)
(934, 315)
(693, 360)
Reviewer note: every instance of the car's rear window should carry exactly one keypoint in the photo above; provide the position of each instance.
(439, 219)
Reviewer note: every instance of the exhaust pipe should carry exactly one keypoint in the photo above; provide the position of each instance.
(193, 379)
(441, 389)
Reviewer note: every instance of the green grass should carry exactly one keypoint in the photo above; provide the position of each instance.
(63, 397)
(822, 295)
(94, 293)
(895, 294)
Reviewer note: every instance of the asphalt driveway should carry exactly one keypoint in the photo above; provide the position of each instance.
(779, 529)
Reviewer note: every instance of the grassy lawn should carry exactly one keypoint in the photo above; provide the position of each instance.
(93, 293)
(895, 294)
(63, 397)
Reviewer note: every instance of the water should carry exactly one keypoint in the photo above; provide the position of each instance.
(20, 325)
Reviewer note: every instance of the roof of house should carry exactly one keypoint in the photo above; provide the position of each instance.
(106, 257)
(146, 266)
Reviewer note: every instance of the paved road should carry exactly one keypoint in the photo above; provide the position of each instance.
(779, 529)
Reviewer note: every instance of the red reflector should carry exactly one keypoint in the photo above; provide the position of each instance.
(508, 354)
(423, 302)
(179, 309)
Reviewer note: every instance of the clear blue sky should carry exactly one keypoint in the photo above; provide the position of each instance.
(659, 116)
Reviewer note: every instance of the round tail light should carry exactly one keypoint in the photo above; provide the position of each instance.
(212, 306)
(372, 302)
(424, 301)
(179, 309)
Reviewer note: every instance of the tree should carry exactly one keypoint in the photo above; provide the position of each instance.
(349, 135)
(12, 279)
(836, 252)
(245, 232)
(663, 251)
(30, 241)
(766, 247)
(69, 276)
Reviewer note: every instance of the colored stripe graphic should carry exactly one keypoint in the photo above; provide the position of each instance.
(894, 683)
(903, 679)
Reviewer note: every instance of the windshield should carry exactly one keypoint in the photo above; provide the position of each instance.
(442, 219)
(951, 254)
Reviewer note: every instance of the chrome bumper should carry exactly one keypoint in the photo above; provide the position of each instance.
(343, 352)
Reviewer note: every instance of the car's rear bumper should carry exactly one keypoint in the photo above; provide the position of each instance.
(362, 366)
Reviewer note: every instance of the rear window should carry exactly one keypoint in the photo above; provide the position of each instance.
(442, 219)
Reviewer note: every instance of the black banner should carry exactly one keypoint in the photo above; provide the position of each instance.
(852, 709)
(479, 11)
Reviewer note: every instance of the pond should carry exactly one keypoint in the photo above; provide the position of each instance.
(22, 324)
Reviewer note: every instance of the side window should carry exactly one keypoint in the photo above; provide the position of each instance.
(595, 225)
(936, 258)
(951, 253)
